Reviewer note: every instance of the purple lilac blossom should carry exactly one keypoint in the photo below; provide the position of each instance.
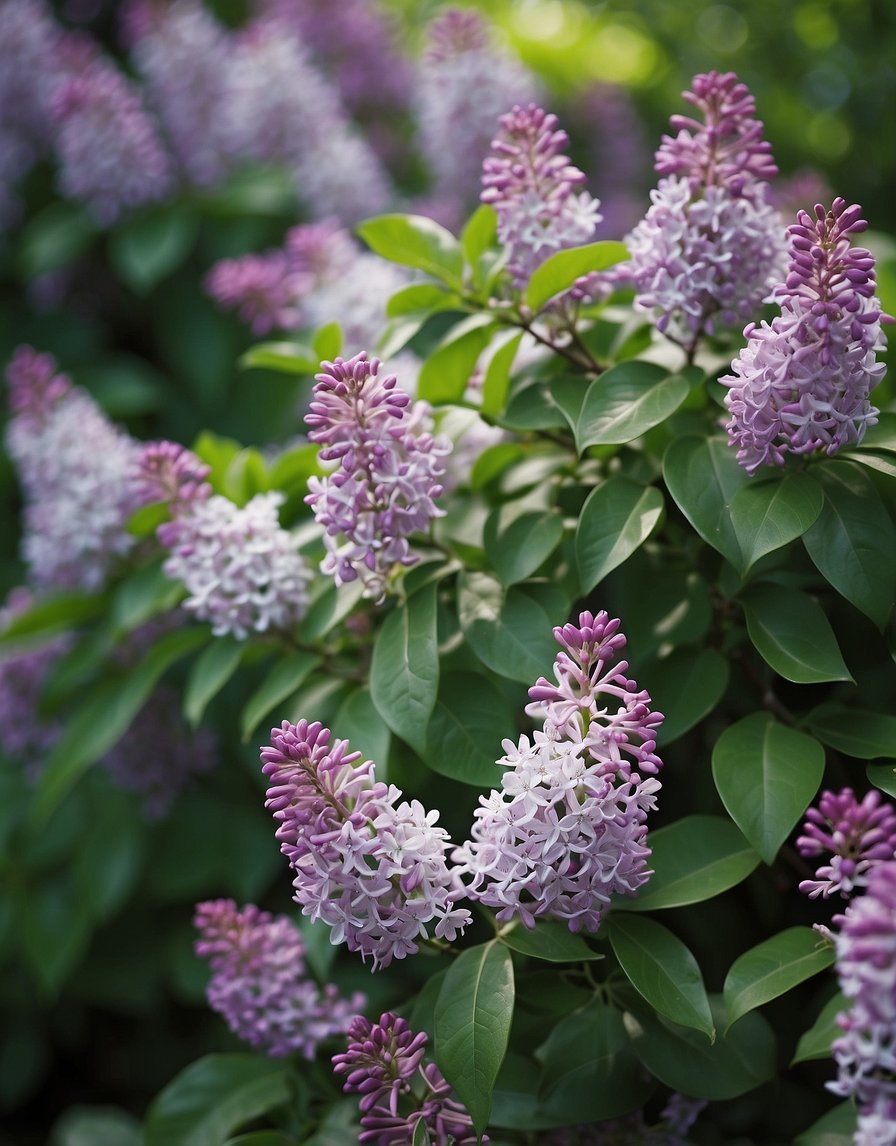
(110, 155)
(384, 1063)
(568, 828)
(855, 834)
(802, 383)
(617, 150)
(535, 191)
(75, 469)
(865, 1053)
(259, 982)
(241, 569)
(711, 246)
(387, 480)
(261, 288)
(465, 82)
(372, 869)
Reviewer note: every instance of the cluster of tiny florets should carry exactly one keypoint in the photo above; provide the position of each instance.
(856, 835)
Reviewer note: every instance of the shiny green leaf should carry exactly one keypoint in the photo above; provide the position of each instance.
(815, 1043)
(766, 515)
(703, 477)
(561, 270)
(792, 634)
(404, 671)
(627, 401)
(618, 516)
(415, 241)
(276, 689)
(773, 967)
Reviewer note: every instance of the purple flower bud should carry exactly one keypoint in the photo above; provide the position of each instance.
(170, 472)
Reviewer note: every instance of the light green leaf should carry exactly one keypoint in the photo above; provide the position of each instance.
(772, 968)
(618, 517)
(816, 1042)
(559, 272)
(791, 632)
(497, 376)
(480, 232)
(446, 373)
(626, 402)
(510, 633)
(277, 687)
(211, 670)
(703, 477)
(327, 341)
(769, 514)
(415, 241)
(285, 357)
(419, 298)
(404, 671)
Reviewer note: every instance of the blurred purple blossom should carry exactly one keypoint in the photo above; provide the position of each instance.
(619, 159)
(856, 835)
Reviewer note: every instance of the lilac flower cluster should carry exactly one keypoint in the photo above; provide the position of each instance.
(372, 869)
(605, 115)
(535, 191)
(388, 477)
(710, 247)
(259, 982)
(384, 1064)
(857, 834)
(801, 383)
(568, 828)
(240, 568)
(75, 469)
(865, 1053)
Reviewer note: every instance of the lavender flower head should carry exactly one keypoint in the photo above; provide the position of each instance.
(75, 469)
(536, 191)
(389, 465)
(865, 1053)
(240, 568)
(259, 982)
(568, 828)
(802, 383)
(710, 247)
(384, 1064)
(372, 869)
(858, 835)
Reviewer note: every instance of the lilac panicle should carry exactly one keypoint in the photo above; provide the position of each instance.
(76, 472)
(802, 383)
(536, 191)
(171, 473)
(259, 982)
(387, 480)
(617, 153)
(384, 1063)
(260, 287)
(865, 1053)
(856, 835)
(568, 828)
(372, 869)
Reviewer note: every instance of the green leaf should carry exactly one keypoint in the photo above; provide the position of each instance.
(883, 463)
(882, 776)
(836, 1128)
(472, 1024)
(694, 859)
(627, 401)
(359, 722)
(421, 1134)
(816, 1042)
(329, 607)
(149, 247)
(277, 687)
(661, 969)
(559, 272)
(143, 595)
(445, 374)
(550, 940)
(853, 543)
(493, 462)
(327, 341)
(470, 719)
(854, 731)
(686, 686)
(684, 1059)
(285, 357)
(881, 436)
(769, 514)
(404, 671)
(96, 1126)
(703, 477)
(52, 615)
(767, 775)
(262, 1138)
(617, 518)
(144, 521)
(518, 541)
(211, 670)
(98, 724)
(480, 232)
(496, 383)
(419, 298)
(56, 237)
(791, 632)
(214, 1096)
(510, 633)
(415, 241)
(772, 968)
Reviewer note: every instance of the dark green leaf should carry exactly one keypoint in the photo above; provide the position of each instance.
(497, 376)
(773, 968)
(415, 241)
(882, 776)
(285, 357)
(769, 514)
(791, 632)
(767, 775)
(359, 722)
(694, 859)
(146, 249)
(627, 401)
(559, 272)
(277, 687)
(211, 670)
(853, 543)
(510, 633)
(52, 615)
(617, 518)
(836, 1128)
(214, 1096)
(855, 731)
(446, 373)
(470, 719)
(703, 477)
(331, 605)
(143, 595)
(686, 686)
(816, 1042)
(532, 407)
(53, 929)
(883, 462)
(56, 237)
(881, 436)
(661, 969)
(96, 1126)
(404, 671)
(519, 541)
(550, 940)
(472, 1024)
(262, 1138)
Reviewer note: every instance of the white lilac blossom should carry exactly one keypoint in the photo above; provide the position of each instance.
(465, 82)
(384, 1063)
(241, 569)
(260, 984)
(855, 834)
(802, 382)
(536, 191)
(865, 1053)
(711, 246)
(371, 868)
(75, 469)
(387, 480)
(568, 828)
